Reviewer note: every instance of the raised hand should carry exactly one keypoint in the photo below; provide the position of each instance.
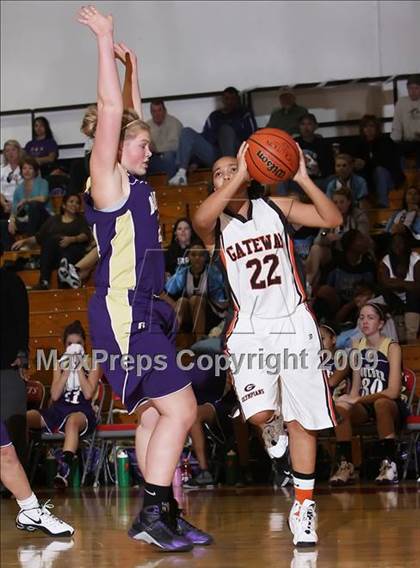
(302, 171)
(242, 166)
(125, 54)
(100, 25)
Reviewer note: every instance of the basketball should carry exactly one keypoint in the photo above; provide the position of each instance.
(272, 156)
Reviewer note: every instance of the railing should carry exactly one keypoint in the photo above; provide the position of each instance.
(247, 97)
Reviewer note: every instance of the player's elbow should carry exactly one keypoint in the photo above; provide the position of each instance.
(335, 219)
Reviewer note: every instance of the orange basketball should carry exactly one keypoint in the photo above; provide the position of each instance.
(272, 156)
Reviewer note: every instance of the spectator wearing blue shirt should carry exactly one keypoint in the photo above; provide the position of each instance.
(199, 291)
(224, 131)
(30, 201)
(344, 177)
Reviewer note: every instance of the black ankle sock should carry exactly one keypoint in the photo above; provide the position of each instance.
(68, 457)
(155, 494)
(388, 448)
(343, 451)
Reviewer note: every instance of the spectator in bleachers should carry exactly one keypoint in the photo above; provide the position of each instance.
(345, 177)
(406, 123)
(10, 178)
(376, 393)
(407, 217)
(287, 117)
(377, 159)
(176, 254)
(165, 131)
(328, 242)
(303, 237)
(364, 293)
(354, 264)
(318, 152)
(224, 131)
(10, 174)
(72, 391)
(43, 146)
(399, 274)
(31, 207)
(63, 236)
(199, 291)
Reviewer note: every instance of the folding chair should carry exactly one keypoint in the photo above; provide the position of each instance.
(108, 434)
(53, 437)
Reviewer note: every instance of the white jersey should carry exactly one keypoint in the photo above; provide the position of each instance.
(258, 256)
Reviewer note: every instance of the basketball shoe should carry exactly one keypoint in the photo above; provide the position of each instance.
(67, 274)
(153, 525)
(275, 438)
(281, 472)
(344, 474)
(203, 479)
(302, 523)
(41, 518)
(388, 473)
(185, 529)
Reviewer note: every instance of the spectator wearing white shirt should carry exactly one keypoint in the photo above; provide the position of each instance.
(165, 131)
(406, 123)
(10, 178)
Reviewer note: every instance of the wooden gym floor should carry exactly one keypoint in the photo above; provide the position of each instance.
(359, 526)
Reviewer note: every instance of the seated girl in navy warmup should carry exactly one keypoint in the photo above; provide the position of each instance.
(72, 391)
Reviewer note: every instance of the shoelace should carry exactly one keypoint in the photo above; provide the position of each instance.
(45, 510)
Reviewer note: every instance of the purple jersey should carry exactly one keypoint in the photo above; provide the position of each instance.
(126, 316)
(72, 400)
(129, 243)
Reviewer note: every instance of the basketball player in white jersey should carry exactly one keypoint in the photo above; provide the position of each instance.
(271, 316)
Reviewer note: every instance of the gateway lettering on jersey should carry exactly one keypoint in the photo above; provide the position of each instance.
(257, 244)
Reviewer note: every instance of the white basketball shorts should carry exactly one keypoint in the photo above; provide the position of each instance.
(276, 365)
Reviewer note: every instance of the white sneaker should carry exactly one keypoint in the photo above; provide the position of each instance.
(67, 274)
(42, 519)
(388, 473)
(302, 523)
(344, 474)
(275, 438)
(178, 179)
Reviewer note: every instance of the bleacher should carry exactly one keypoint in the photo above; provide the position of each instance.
(52, 310)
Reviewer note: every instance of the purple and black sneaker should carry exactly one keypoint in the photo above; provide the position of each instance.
(187, 530)
(153, 526)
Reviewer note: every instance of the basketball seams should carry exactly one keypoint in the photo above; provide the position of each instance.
(275, 134)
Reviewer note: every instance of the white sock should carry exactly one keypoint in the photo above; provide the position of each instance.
(29, 503)
(182, 172)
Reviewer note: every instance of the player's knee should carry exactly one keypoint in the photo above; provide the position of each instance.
(382, 405)
(73, 422)
(260, 418)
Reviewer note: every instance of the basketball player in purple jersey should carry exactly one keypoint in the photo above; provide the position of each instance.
(32, 515)
(271, 316)
(126, 314)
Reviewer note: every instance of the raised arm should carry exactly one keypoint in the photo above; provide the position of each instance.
(322, 212)
(131, 89)
(206, 216)
(106, 179)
